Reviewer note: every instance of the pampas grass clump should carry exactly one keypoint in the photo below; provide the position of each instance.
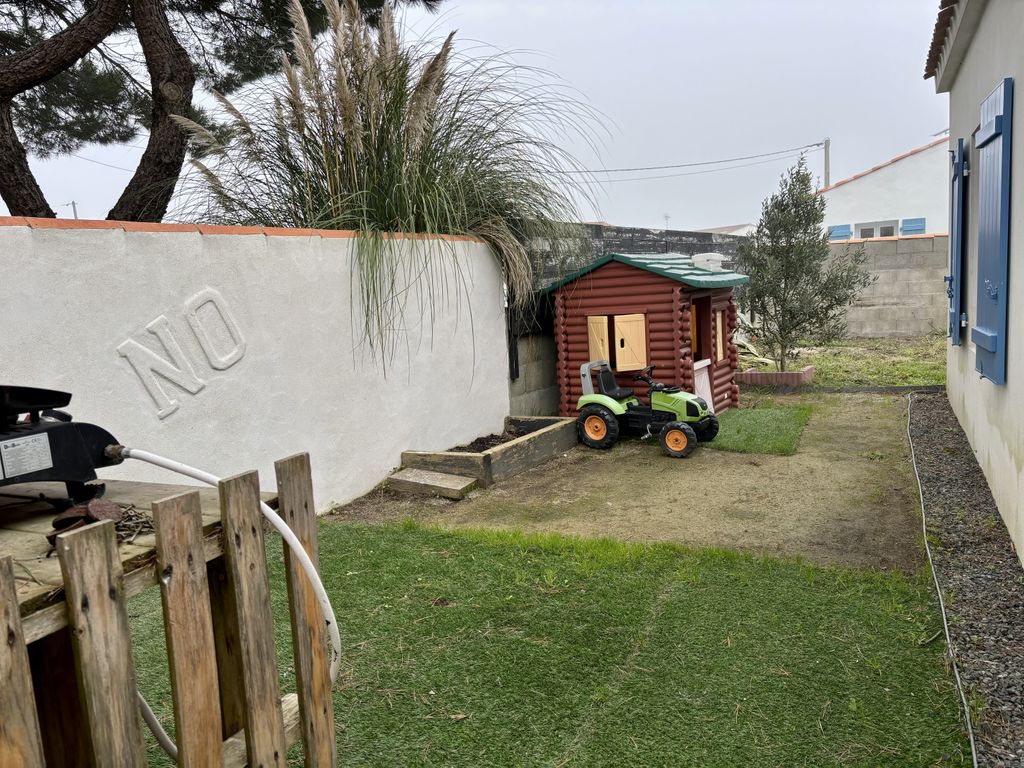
(363, 132)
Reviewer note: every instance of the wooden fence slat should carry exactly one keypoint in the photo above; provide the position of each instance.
(188, 625)
(247, 567)
(228, 650)
(312, 665)
(234, 747)
(61, 717)
(21, 746)
(98, 616)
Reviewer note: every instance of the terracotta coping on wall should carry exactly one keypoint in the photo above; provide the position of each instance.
(212, 229)
(888, 239)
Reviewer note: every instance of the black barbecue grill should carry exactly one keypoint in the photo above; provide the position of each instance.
(39, 442)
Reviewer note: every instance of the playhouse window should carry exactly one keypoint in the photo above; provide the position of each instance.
(630, 342)
(625, 347)
(597, 338)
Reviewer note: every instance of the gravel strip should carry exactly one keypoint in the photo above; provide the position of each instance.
(981, 577)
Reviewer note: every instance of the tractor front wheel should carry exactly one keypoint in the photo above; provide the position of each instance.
(678, 439)
(597, 427)
(709, 431)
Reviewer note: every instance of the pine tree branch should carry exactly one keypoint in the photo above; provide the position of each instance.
(38, 63)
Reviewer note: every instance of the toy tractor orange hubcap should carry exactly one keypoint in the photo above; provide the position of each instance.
(676, 440)
(595, 427)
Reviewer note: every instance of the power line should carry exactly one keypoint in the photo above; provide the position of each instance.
(99, 162)
(703, 162)
(698, 173)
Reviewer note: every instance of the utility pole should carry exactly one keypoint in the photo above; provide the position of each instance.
(74, 206)
(828, 146)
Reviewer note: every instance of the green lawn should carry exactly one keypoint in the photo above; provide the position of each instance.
(762, 429)
(876, 362)
(496, 649)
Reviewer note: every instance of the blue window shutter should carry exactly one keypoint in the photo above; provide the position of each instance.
(958, 178)
(994, 144)
(840, 232)
(912, 227)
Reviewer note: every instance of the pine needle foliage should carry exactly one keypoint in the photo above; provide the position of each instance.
(364, 132)
(798, 290)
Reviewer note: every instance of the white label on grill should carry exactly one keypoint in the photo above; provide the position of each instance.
(23, 455)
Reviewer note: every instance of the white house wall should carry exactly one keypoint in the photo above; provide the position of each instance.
(259, 332)
(991, 415)
(914, 187)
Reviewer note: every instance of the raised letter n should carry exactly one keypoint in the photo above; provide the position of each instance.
(148, 366)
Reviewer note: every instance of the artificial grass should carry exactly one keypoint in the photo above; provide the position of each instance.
(774, 430)
(500, 649)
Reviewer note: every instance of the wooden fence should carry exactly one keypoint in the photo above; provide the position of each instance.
(228, 709)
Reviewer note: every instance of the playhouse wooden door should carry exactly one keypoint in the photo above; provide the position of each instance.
(702, 382)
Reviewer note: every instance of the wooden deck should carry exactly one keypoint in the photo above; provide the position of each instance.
(40, 586)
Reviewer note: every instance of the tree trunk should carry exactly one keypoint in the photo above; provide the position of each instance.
(18, 186)
(26, 69)
(172, 79)
(782, 357)
(37, 64)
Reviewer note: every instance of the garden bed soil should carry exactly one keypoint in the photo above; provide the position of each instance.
(981, 578)
(846, 497)
(482, 444)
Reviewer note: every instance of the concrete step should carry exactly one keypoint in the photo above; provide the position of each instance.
(426, 482)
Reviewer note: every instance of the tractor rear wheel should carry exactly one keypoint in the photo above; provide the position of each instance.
(597, 427)
(678, 439)
(710, 430)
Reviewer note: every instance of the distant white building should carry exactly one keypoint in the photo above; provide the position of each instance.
(907, 195)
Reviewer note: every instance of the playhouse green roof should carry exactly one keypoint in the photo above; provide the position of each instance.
(674, 266)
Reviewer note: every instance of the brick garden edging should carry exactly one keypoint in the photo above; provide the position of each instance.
(799, 378)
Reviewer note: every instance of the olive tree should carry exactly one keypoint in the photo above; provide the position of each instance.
(799, 289)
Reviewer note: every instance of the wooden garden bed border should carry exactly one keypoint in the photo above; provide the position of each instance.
(552, 435)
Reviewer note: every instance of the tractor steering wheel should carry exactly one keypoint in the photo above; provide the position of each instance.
(645, 375)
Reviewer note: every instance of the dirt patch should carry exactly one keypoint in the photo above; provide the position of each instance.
(846, 497)
(482, 444)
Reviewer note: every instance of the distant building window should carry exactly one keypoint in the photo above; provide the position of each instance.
(840, 232)
(912, 227)
(869, 229)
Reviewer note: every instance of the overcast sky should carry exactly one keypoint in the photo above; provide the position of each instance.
(680, 81)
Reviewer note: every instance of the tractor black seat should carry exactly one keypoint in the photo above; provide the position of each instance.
(609, 386)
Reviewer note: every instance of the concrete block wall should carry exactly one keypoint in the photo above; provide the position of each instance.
(605, 238)
(908, 297)
(535, 392)
(230, 347)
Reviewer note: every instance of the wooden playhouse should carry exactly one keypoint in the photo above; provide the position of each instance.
(648, 309)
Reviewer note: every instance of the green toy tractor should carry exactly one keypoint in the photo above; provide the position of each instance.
(678, 418)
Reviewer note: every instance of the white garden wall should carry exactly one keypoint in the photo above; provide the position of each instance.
(228, 348)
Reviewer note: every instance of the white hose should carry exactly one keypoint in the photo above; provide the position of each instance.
(298, 551)
(155, 728)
